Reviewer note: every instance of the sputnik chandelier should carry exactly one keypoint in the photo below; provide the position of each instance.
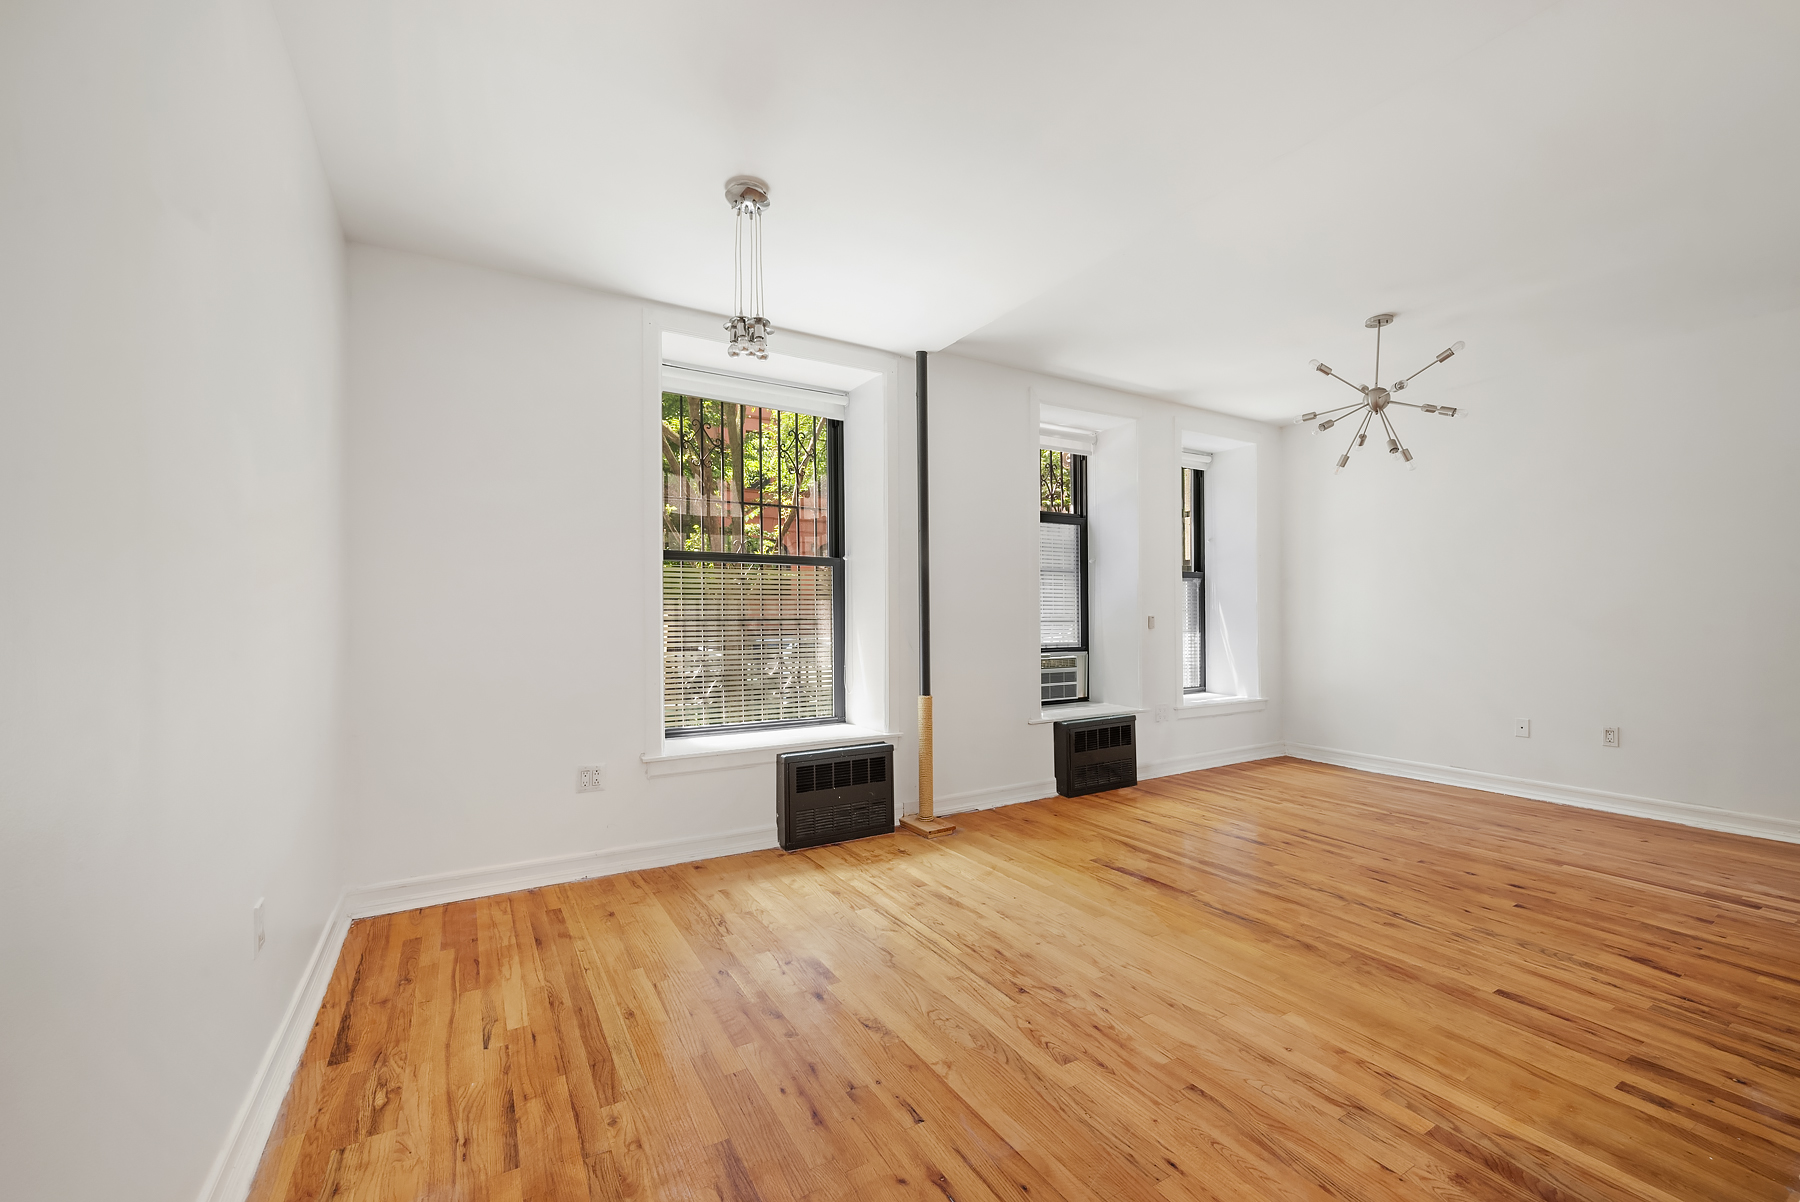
(749, 329)
(1376, 400)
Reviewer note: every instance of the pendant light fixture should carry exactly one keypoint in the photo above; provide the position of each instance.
(749, 329)
(1377, 400)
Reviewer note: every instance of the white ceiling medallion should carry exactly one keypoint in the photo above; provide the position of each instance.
(749, 329)
(1377, 400)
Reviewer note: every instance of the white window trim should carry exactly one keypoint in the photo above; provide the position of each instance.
(1213, 705)
(747, 749)
(1075, 710)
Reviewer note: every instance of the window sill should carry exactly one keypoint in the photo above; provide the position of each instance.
(711, 753)
(1211, 705)
(1081, 709)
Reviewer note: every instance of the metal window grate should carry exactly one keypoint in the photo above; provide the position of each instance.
(747, 642)
(742, 479)
(1059, 584)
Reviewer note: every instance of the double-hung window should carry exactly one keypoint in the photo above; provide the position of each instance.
(753, 567)
(1062, 551)
(1193, 580)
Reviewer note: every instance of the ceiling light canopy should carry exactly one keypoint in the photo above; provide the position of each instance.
(1377, 399)
(749, 329)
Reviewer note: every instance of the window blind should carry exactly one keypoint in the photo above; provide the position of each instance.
(1193, 635)
(1059, 583)
(747, 642)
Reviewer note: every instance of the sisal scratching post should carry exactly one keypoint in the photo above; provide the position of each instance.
(925, 822)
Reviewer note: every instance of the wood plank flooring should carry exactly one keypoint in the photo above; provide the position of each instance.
(1278, 980)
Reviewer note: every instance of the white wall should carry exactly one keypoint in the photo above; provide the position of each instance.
(169, 329)
(1608, 542)
(501, 600)
(984, 434)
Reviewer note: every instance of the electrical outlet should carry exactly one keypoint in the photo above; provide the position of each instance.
(1522, 728)
(1610, 737)
(591, 779)
(1162, 713)
(257, 930)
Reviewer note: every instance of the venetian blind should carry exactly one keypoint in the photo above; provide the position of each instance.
(746, 642)
(1059, 584)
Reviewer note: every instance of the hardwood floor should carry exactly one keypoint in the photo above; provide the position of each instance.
(1278, 980)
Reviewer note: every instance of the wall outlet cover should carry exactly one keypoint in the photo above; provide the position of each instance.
(1522, 728)
(591, 779)
(1611, 737)
(1162, 713)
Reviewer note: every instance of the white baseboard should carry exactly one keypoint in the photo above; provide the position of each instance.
(394, 896)
(1036, 790)
(235, 1168)
(999, 795)
(1733, 822)
(1211, 759)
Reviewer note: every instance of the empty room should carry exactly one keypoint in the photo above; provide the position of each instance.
(989, 602)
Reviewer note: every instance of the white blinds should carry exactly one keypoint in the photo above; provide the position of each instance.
(1059, 583)
(746, 642)
(1193, 636)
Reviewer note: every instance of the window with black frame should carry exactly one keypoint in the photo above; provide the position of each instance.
(1062, 550)
(1193, 580)
(753, 567)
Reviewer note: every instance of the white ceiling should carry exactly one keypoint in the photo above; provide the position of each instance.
(1186, 199)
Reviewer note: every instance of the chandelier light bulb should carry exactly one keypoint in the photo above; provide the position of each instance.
(1321, 368)
(1393, 446)
(1446, 411)
(1342, 460)
(1327, 423)
(1306, 417)
(1406, 454)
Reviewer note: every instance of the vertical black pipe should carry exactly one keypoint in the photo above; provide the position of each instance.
(924, 540)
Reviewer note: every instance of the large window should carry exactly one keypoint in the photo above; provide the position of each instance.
(1193, 580)
(1062, 550)
(753, 567)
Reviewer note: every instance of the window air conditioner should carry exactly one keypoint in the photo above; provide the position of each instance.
(1063, 676)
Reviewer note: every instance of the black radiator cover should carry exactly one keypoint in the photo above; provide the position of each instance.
(834, 794)
(1095, 754)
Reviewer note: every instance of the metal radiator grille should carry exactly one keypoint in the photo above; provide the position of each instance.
(828, 822)
(841, 775)
(1099, 738)
(746, 642)
(1105, 774)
